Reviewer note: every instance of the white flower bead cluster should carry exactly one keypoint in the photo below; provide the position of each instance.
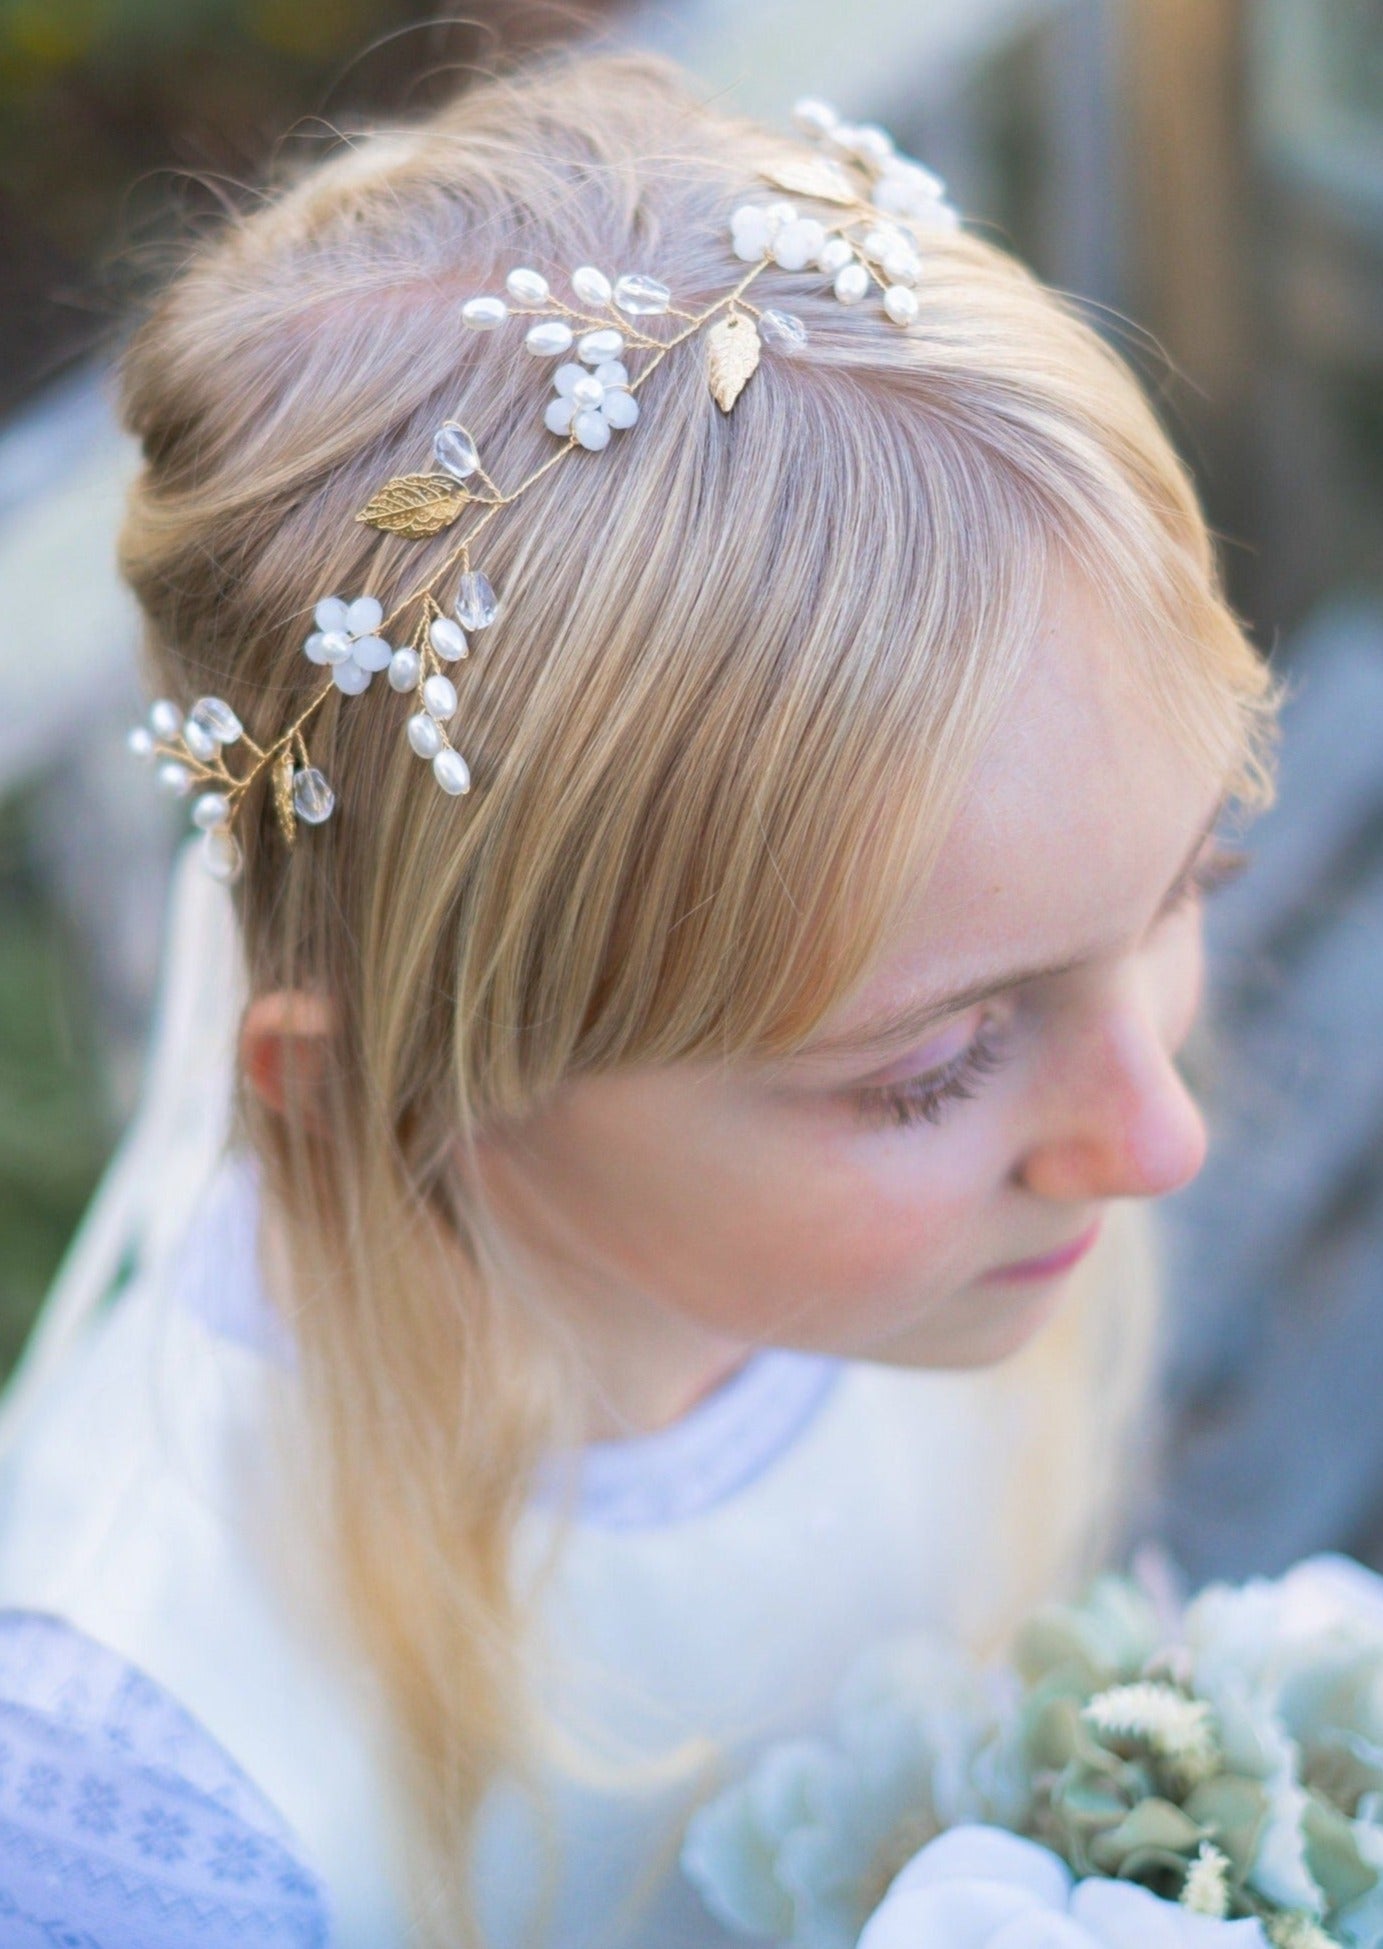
(883, 256)
(594, 396)
(186, 751)
(900, 186)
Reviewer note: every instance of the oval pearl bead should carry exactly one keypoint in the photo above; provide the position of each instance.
(549, 339)
(593, 348)
(814, 117)
(476, 604)
(425, 735)
(439, 697)
(364, 616)
(586, 392)
(592, 430)
(641, 297)
(871, 144)
(215, 716)
(211, 809)
(903, 265)
(527, 287)
(350, 679)
(451, 771)
(557, 418)
(834, 255)
(165, 718)
(313, 798)
(590, 285)
(199, 741)
(619, 408)
(330, 615)
(447, 638)
(483, 314)
(404, 668)
(372, 653)
(851, 284)
(174, 779)
(901, 304)
(140, 741)
(221, 857)
(333, 648)
(455, 451)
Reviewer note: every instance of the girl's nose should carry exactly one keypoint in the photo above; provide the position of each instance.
(1121, 1122)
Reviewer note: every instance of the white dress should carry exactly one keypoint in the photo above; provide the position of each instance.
(720, 1577)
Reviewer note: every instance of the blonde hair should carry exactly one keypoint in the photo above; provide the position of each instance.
(746, 664)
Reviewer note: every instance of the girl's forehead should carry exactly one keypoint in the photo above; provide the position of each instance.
(1075, 824)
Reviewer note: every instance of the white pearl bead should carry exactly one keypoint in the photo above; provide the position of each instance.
(619, 408)
(199, 740)
(592, 430)
(447, 638)
(404, 668)
(903, 265)
(425, 735)
(331, 615)
(450, 770)
(211, 809)
(350, 678)
(557, 418)
(591, 286)
(834, 255)
(586, 392)
(549, 339)
(901, 304)
(174, 779)
(780, 213)
(851, 284)
(439, 697)
(221, 857)
(593, 348)
(334, 648)
(814, 117)
(871, 144)
(165, 718)
(371, 653)
(527, 287)
(483, 314)
(141, 741)
(364, 616)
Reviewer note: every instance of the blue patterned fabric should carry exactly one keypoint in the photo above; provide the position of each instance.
(123, 1825)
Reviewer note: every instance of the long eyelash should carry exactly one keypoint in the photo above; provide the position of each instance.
(925, 1098)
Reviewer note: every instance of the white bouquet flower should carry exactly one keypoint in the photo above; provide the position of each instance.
(1218, 1788)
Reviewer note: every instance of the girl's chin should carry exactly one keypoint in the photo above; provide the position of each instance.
(982, 1326)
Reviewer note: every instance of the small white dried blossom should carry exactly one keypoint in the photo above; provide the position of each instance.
(1206, 1888)
(1298, 1932)
(1177, 1729)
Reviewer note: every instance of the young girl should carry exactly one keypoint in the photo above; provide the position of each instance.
(653, 1165)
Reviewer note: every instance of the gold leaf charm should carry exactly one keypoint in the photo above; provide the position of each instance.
(811, 176)
(732, 353)
(416, 505)
(283, 798)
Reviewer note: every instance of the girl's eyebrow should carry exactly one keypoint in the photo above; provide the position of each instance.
(902, 1026)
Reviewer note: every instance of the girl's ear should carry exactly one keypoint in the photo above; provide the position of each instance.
(285, 1046)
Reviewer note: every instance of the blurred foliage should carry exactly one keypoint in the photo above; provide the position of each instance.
(55, 1129)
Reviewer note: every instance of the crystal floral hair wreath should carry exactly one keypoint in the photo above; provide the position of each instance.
(863, 182)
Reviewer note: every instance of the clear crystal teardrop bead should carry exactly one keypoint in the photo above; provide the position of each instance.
(476, 604)
(313, 798)
(215, 716)
(221, 856)
(783, 330)
(641, 297)
(455, 451)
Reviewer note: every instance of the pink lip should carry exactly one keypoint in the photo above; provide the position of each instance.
(1051, 1263)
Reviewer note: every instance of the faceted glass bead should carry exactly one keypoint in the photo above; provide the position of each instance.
(313, 798)
(165, 719)
(404, 668)
(174, 779)
(221, 856)
(350, 679)
(527, 287)
(483, 314)
(439, 697)
(451, 771)
(783, 330)
(211, 809)
(590, 285)
(364, 616)
(447, 638)
(331, 615)
(595, 347)
(199, 741)
(476, 603)
(641, 297)
(372, 653)
(141, 741)
(425, 735)
(455, 451)
(549, 339)
(619, 408)
(592, 430)
(217, 719)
